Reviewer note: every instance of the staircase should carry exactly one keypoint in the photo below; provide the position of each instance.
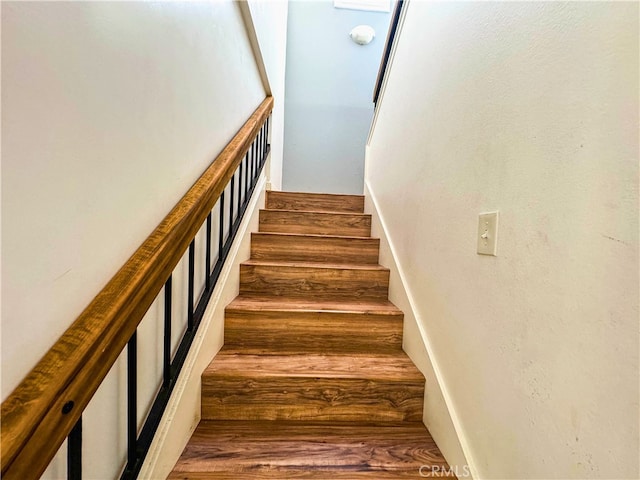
(312, 381)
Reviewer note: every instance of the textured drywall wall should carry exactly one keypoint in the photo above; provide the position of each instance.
(530, 109)
(329, 89)
(110, 111)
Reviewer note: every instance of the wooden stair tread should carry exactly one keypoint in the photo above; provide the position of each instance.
(320, 213)
(240, 449)
(319, 265)
(330, 202)
(364, 306)
(394, 367)
(311, 235)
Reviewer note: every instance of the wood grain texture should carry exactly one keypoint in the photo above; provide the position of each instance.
(314, 202)
(310, 280)
(349, 306)
(279, 450)
(374, 366)
(314, 248)
(269, 472)
(33, 425)
(312, 381)
(340, 388)
(310, 399)
(315, 223)
(255, 331)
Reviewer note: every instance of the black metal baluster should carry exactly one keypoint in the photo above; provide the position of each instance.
(240, 188)
(221, 235)
(232, 190)
(259, 150)
(254, 156)
(258, 159)
(262, 145)
(207, 275)
(246, 177)
(167, 334)
(251, 157)
(74, 452)
(266, 135)
(192, 259)
(132, 397)
(268, 125)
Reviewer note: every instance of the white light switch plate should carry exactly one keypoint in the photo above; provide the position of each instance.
(488, 233)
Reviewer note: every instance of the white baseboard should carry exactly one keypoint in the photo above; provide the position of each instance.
(439, 415)
(183, 411)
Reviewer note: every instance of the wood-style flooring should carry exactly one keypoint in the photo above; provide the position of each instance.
(312, 381)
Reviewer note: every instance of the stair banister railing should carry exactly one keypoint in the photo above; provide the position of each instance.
(47, 405)
(388, 46)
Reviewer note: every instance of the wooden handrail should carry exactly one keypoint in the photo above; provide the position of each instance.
(39, 414)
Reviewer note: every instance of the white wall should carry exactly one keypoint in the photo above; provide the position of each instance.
(270, 21)
(530, 109)
(329, 89)
(110, 111)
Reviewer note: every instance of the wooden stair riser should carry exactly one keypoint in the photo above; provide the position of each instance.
(291, 447)
(314, 223)
(314, 282)
(307, 451)
(315, 202)
(307, 248)
(326, 332)
(262, 470)
(226, 397)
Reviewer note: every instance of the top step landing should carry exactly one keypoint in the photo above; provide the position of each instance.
(315, 202)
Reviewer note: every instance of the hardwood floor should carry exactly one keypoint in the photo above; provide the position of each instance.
(312, 381)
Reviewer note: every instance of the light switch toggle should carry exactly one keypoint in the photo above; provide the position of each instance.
(488, 233)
